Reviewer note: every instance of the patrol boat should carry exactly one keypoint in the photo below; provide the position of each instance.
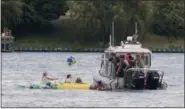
(134, 78)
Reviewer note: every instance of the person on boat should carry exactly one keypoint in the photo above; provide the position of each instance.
(142, 60)
(142, 56)
(139, 61)
(68, 79)
(123, 66)
(79, 81)
(47, 80)
(128, 57)
(130, 60)
(115, 60)
(99, 86)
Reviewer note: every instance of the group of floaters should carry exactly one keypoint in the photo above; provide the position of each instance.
(69, 84)
(50, 82)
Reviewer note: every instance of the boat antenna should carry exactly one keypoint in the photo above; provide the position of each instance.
(136, 28)
(110, 42)
(136, 31)
(113, 33)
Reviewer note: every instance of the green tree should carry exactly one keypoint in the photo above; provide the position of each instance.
(11, 13)
(96, 14)
(48, 9)
(169, 18)
(99, 14)
(38, 14)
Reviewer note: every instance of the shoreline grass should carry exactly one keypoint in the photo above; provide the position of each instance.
(151, 41)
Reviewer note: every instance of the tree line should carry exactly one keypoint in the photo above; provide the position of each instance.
(90, 20)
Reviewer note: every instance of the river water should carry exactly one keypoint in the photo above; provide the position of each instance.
(26, 68)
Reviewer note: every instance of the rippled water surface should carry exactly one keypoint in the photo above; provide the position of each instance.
(26, 68)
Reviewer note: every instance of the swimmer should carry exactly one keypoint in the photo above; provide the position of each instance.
(71, 60)
(99, 86)
(68, 79)
(47, 80)
(79, 81)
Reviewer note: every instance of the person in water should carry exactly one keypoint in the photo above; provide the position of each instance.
(68, 79)
(47, 80)
(71, 60)
(99, 86)
(79, 81)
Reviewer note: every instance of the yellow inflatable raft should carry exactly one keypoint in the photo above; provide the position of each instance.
(73, 86)
(71, 63)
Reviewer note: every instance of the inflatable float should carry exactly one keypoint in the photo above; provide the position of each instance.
(71, 63)
(61, 86)
(73, 86)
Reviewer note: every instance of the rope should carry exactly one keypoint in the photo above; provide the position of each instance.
(85, 67)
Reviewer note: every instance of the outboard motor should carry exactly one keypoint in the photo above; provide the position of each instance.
(134, 79)
(138, 80)
(152, 79)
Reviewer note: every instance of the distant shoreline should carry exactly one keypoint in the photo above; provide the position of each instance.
(151, 41)
(154, 50)
(157, 44)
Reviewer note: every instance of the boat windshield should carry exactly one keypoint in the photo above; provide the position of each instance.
(147, 57)
(109, 67)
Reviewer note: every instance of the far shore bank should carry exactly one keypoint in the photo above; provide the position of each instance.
(91, 50)
(53, 42)
(157, 44)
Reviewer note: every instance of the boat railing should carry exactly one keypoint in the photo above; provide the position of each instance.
(102, 73)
